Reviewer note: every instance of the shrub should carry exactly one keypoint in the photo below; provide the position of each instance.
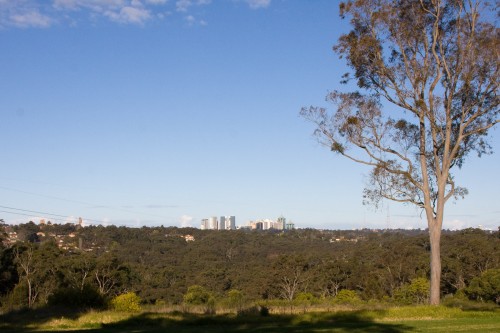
(197, 295)
(264, 311)
(305, 300)
(88, 297)
(485, 287)
(346, 296)
(234, 300)
(461, 301)
(128, 302)
(417, 292)
(16, 299)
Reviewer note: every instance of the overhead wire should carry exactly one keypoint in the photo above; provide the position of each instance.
(56, 216)
(82, 203)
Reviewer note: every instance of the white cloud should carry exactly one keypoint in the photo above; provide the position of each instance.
(183, 5)
(43, 14)
(256, 4)
(156, 2)
(94, 5)
(31, 19)
(190, 19)
(129, 15)
(185, 221)
(136, 3)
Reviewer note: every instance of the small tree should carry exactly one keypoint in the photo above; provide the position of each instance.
(199, 296)
(291, 273)
(435, 63)
(27, 270)
(305, 300)
(235, 299)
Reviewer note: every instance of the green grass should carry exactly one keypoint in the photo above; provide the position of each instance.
(391, 320)
(444, 319)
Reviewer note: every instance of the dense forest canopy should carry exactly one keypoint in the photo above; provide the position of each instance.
(48, 262)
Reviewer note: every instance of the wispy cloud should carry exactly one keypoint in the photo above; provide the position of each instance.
(43, 14)
(191, 20)
(32, 13)
(156, 2)
(31, 19)
(184, 5)
(256, 4)
(129, 15)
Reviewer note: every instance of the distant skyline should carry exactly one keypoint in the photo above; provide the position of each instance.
(163, 112)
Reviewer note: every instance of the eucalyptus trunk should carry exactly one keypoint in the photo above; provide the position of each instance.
(435, 241)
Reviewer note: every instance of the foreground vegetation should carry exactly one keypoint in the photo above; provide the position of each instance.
(87, 267)
(153, 280)
(341, 319)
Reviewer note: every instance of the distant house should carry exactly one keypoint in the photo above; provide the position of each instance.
(189, 238)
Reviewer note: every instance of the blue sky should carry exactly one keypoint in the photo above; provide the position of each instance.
(158, 112)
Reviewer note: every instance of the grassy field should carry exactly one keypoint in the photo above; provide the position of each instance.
(391, 320)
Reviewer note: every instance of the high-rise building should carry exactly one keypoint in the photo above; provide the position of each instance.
(282, 222)
(213, 223)
(224, 223)
(232, 222)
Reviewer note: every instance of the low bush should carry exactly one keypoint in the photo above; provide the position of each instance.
(87, 297)
(417, 292)
(346, 296)
(128, 302)
(485, 287)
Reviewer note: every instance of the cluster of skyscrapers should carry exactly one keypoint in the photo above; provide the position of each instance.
(229, 223)
(266, 224)
(223, 223)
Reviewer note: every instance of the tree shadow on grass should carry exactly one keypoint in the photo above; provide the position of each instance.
(26, 320)
(339, 322)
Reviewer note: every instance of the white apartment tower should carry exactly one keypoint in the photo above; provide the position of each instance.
(213, 223)
(232, 223)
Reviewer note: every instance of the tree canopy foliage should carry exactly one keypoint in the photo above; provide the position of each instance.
(234, 266)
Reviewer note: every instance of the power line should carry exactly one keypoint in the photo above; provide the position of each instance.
(42, 213)
(82, 203)
(30, 215)
(33, 211)
(57, 217)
